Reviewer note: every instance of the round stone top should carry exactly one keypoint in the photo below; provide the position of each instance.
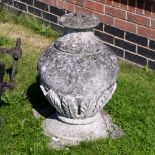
(78, 74)
(79, 43)
(79, 21)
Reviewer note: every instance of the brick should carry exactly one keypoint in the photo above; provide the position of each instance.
(116, 3)
(152, 44)
(34, 11)
(108, 2)
(151, 64)
(41, 20)
(50, 17)
(123, 4)
(80, 9)
(146, 32)
(136, 39)
(140, 7)
(125, 25)
(153, 11)
(147, 9)
(57, 11)
(117, 51)
(45, 1)
(94, 6)
(105, 18)
(115, 12)
(104, 37)
(132, 5)
(114, 31)
(135, 58)
(65, 5)
(41, 5)
(29, 2)
(73, 1)
(101, 1)
(51, 2)
(138, 19)
(146, 52)
(56, 27)
(77, 2)
(125, 45)
(20, 6)
(153, 24)
(13, 10)
(99, 27)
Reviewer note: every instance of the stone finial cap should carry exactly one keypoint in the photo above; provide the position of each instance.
(79, 21)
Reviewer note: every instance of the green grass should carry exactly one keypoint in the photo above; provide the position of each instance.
(5, 41)
(39, 26)
(132, 108)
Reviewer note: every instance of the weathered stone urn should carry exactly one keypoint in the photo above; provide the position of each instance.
(78, 77)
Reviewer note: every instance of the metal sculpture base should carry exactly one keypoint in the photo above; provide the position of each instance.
(64, 131)
(15, 54)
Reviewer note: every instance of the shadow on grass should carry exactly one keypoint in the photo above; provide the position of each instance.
(9, 71)
(2, 103)
(38, 101)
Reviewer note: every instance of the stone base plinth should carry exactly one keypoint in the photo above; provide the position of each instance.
(65, 131)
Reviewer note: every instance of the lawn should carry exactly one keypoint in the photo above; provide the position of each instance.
(132, 106)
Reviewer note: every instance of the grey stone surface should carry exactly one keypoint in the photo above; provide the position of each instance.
(64, 133)
(79, 21)
(78, 76)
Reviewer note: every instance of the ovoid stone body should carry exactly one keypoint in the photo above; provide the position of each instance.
(78, 76)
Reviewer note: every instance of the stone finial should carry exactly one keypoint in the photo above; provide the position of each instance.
(78, 76)
(79, 21)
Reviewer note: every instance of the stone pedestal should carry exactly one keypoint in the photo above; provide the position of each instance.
(78, 76)
(64, 131)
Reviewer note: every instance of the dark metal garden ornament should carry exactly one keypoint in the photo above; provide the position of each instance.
(15, 54)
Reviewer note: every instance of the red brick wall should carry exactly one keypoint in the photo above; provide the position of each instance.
(127, 26)
(137, 16)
